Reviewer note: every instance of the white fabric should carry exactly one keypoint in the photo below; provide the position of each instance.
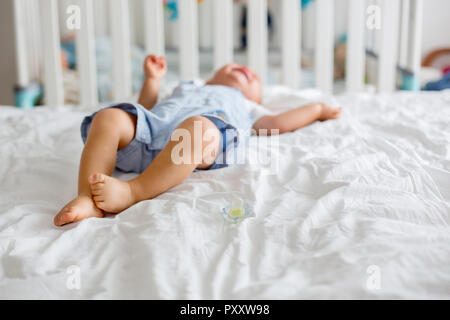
(353, 201)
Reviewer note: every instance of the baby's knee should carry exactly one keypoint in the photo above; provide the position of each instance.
(116, 122)
(199, 127)
(196, 121)
(204, 137)
(113, 116)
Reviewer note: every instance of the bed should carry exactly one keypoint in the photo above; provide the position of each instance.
(358, 208)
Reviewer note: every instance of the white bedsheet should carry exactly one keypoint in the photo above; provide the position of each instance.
(354, 201)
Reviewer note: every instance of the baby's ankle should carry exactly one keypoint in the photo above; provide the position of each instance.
(135, 191)
(84, 194)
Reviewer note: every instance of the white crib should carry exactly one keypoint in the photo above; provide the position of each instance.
(396, 43)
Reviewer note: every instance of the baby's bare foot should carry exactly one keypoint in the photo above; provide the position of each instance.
(78, 209)
(329, 112)
(110, 194)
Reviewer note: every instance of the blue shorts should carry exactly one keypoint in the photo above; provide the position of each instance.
(153, 132)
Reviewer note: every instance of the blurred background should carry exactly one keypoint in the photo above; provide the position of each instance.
(435, 46)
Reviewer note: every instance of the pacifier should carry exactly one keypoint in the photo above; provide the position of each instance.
(236, 211)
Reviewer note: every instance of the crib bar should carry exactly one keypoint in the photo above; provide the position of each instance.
(415, 43)
(257, 37)
(370, 42)
(87, 64)
(355, 46)
(54, 91)
(154, 27)
(404, 32)
(324, 45)
(34, 43)
(121, 52)
(388, 45)
(21, 43)
(205, 24)
(188, 40)
(290, 43)
(223, 32)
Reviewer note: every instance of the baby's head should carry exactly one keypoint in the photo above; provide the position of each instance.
(240, 77)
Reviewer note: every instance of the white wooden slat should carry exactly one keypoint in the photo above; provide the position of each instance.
(324, 50)
(308, 26)
(101, 20)
(86, 59)
(257, 37)
(404, 32)
(121, 52)
(21, 43)
(355, 67)
(415, 43)
(34, 43)
(387, 62)
(63, 6)
(205, 27)
(134, 9)
(154, 27)
(188, 40)
(223, 32)
(290, 43)
(370, 32)
(54, 91)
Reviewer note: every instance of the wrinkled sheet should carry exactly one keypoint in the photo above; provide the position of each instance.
(356, 208)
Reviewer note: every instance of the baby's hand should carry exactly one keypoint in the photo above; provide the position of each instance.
(329, 113)
(155, 67)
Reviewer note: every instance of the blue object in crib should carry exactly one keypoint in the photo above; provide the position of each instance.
(306, 3)
(172, 6)
(70, 50)
(410, 82)
(27, 97)
(442, 84)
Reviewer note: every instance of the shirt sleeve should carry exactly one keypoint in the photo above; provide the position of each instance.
(256, 110)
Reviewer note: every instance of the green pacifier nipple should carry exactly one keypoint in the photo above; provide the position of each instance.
(237, 211)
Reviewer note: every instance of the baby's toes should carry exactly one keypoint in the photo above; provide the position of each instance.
(99, 198)
(100, 203)
(96, 178)
(98, 194)
(97, 189)
(66, 215)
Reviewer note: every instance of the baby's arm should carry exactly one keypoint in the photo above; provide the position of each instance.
(155, 68)
(297, 118)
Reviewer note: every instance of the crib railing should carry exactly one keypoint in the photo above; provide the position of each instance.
(85, 38)
(389, 47)
(54, 92)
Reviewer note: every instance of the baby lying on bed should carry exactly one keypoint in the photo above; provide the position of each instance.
(145, 138)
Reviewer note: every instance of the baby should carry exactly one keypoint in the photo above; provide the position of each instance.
(145, 138)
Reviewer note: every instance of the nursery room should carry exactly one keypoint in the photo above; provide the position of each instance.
(225, 149)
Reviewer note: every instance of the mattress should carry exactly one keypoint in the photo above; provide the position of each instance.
(357, 208)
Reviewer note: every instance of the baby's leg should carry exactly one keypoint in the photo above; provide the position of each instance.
(111, 129)
(113, 195)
